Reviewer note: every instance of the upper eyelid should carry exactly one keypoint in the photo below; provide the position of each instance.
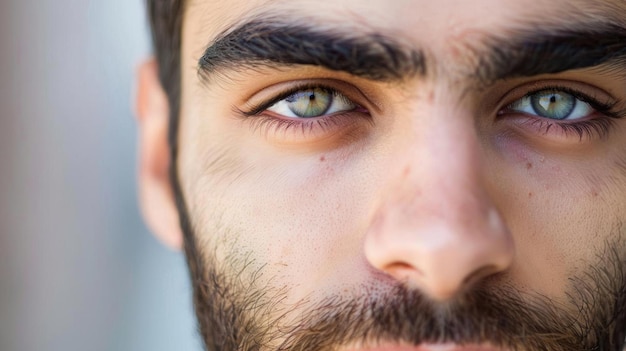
(357, 94)
(594, 103)
(598, 98)
(282, 96)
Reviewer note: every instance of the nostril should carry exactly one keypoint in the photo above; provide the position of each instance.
(403, 271)
(479, 274)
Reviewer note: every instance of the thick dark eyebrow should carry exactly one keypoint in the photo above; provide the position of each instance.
(535, 52)
(270, 43)
(266, 42)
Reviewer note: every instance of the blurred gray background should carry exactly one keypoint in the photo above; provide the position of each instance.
(78, 269)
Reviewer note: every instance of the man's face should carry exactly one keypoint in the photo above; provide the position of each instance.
(384, 175)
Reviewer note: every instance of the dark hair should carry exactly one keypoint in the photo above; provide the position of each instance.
(166, 18)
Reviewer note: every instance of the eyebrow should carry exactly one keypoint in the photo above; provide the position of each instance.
(374, 56)
(270, 43)
(537, 52)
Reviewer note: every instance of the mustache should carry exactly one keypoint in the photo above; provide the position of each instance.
(491, 313)
(240, 313)
(499, 317)
(251, 317)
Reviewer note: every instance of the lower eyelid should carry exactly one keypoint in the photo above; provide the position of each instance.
(562, 131)
(289, 130)
(261, 100)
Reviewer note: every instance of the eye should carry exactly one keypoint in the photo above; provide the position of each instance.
(311, 103)
(553, 104)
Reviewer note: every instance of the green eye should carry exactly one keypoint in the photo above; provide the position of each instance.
(553, 104)
(311, 103)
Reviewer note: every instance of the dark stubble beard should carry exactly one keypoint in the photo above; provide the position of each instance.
(234, 313)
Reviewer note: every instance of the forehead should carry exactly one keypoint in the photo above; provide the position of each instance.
(423, 21)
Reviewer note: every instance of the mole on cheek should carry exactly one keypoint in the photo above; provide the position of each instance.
(322, 158)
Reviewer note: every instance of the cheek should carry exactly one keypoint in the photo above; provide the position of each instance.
(298, 218)
(560, 209)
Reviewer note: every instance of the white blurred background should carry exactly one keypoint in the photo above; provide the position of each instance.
(78, 269)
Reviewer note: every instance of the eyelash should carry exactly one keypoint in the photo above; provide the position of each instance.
(322, 124)
(599, 126)
(257, 109)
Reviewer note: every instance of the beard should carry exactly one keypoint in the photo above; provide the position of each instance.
(237, 312)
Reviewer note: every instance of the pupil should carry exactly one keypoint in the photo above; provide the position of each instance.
(553, 99)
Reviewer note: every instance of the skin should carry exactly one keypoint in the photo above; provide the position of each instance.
(434, 193)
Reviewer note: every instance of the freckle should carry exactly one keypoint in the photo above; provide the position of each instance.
(530, 194)
(431, 96)
(323, 158)
(529, 165)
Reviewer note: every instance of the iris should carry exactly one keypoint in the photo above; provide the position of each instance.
(310, 103)
(553, 104)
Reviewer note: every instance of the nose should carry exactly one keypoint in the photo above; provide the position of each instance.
(436, 227)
